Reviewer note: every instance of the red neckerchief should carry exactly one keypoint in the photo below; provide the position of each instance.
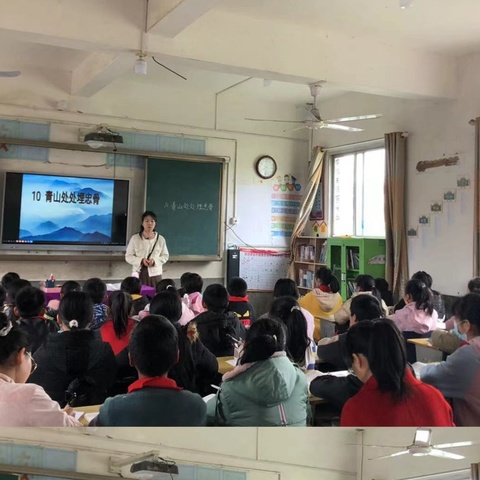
(156, 382)
(231, 298)
(324, 288)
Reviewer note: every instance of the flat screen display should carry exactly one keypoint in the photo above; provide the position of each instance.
(54, 210)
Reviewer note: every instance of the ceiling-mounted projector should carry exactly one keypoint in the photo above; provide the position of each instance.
(154, 469)
(103, 137)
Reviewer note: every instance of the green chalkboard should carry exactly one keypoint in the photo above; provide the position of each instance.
(187, 197)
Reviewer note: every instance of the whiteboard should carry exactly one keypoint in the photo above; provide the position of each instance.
(262, 268)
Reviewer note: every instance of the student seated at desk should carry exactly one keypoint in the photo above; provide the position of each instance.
(238, 301)
(286, 287)
(364, 285)
(29, 308)
(154, 400)
(418, 315)
(193, 284)
(74, 365)
(299, 348)
(24, 405)
(437, 300)
(69, 286)
(450, 340)
(458, 377)
(324, 300)
(218, 328)
(390, 396)
(197, 368)
(337, 390)
(133, 286)
(96, 289)
(13, 288)
(116, 331)
(266, 388)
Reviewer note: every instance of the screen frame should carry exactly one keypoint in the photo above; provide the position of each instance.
(56, 247)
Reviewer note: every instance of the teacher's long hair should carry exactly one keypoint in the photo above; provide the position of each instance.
(146, 214)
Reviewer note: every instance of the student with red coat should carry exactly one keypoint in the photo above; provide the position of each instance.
(391, 396)
(116, 331)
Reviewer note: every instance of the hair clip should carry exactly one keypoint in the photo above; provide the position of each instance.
(295, 307)
(6, 329)
(169, 286)
(274, 337)
(73, 323)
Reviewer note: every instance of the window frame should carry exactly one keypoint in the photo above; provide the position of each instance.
(352, 149)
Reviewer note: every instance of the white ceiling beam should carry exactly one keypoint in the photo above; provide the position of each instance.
(287, 51)
(97, 71)
(171, 17)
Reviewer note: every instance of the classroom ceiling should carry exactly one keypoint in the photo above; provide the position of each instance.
(444, 26)
(367, 46)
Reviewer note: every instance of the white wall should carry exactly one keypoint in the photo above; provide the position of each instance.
(145, 107)
(436, 129)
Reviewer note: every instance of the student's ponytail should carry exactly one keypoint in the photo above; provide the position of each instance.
(120, 304)
(384, 348)
(326, 277)
(286, 310)
(421, 295)
(366, 283)
(265, 337)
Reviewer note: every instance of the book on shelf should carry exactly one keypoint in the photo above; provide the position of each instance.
(351, 287)
(323, 253)
(353, 259)
(306, 278)
(306, 253)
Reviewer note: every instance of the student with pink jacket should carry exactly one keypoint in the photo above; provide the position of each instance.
(418, 314)
(21, 404)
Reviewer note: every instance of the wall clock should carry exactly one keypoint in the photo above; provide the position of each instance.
(266, 167)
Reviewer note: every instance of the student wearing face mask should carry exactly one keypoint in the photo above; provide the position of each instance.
(458, 377)
(390, 396)
(450, 340)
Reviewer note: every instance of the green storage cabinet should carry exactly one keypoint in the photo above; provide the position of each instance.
(349, 257)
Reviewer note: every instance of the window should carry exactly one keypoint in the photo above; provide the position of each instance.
(358, 193)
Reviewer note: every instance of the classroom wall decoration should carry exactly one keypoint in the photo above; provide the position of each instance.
(285, 205)
(441, 162)
(424, 220)
(412, 232)
(317, 212)
(450, 195)
(436, 207)
(463, 181)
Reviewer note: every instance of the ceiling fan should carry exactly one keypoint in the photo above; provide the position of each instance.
(315, 121)
(10, 74)
(422, 446)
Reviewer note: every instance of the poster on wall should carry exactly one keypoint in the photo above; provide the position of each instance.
(318, 209)
(285, 206)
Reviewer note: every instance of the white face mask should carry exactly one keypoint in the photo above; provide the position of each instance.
(461, 336)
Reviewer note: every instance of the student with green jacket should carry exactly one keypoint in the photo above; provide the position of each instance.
(265, 388)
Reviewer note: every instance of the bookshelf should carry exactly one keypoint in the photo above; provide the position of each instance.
(310, 255)
(350, 257)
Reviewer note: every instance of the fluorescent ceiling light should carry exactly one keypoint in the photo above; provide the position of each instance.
(463, 474)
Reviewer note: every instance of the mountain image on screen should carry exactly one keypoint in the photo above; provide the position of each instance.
(45, 220)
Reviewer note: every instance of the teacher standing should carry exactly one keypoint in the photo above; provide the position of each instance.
(147, 252)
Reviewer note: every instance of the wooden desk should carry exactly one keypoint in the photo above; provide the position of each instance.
(223, 365)
(89, 409)
(426, 352)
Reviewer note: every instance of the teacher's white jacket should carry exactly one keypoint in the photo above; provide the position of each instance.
(139, 248)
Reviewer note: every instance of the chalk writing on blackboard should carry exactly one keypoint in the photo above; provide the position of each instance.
(188, 206)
